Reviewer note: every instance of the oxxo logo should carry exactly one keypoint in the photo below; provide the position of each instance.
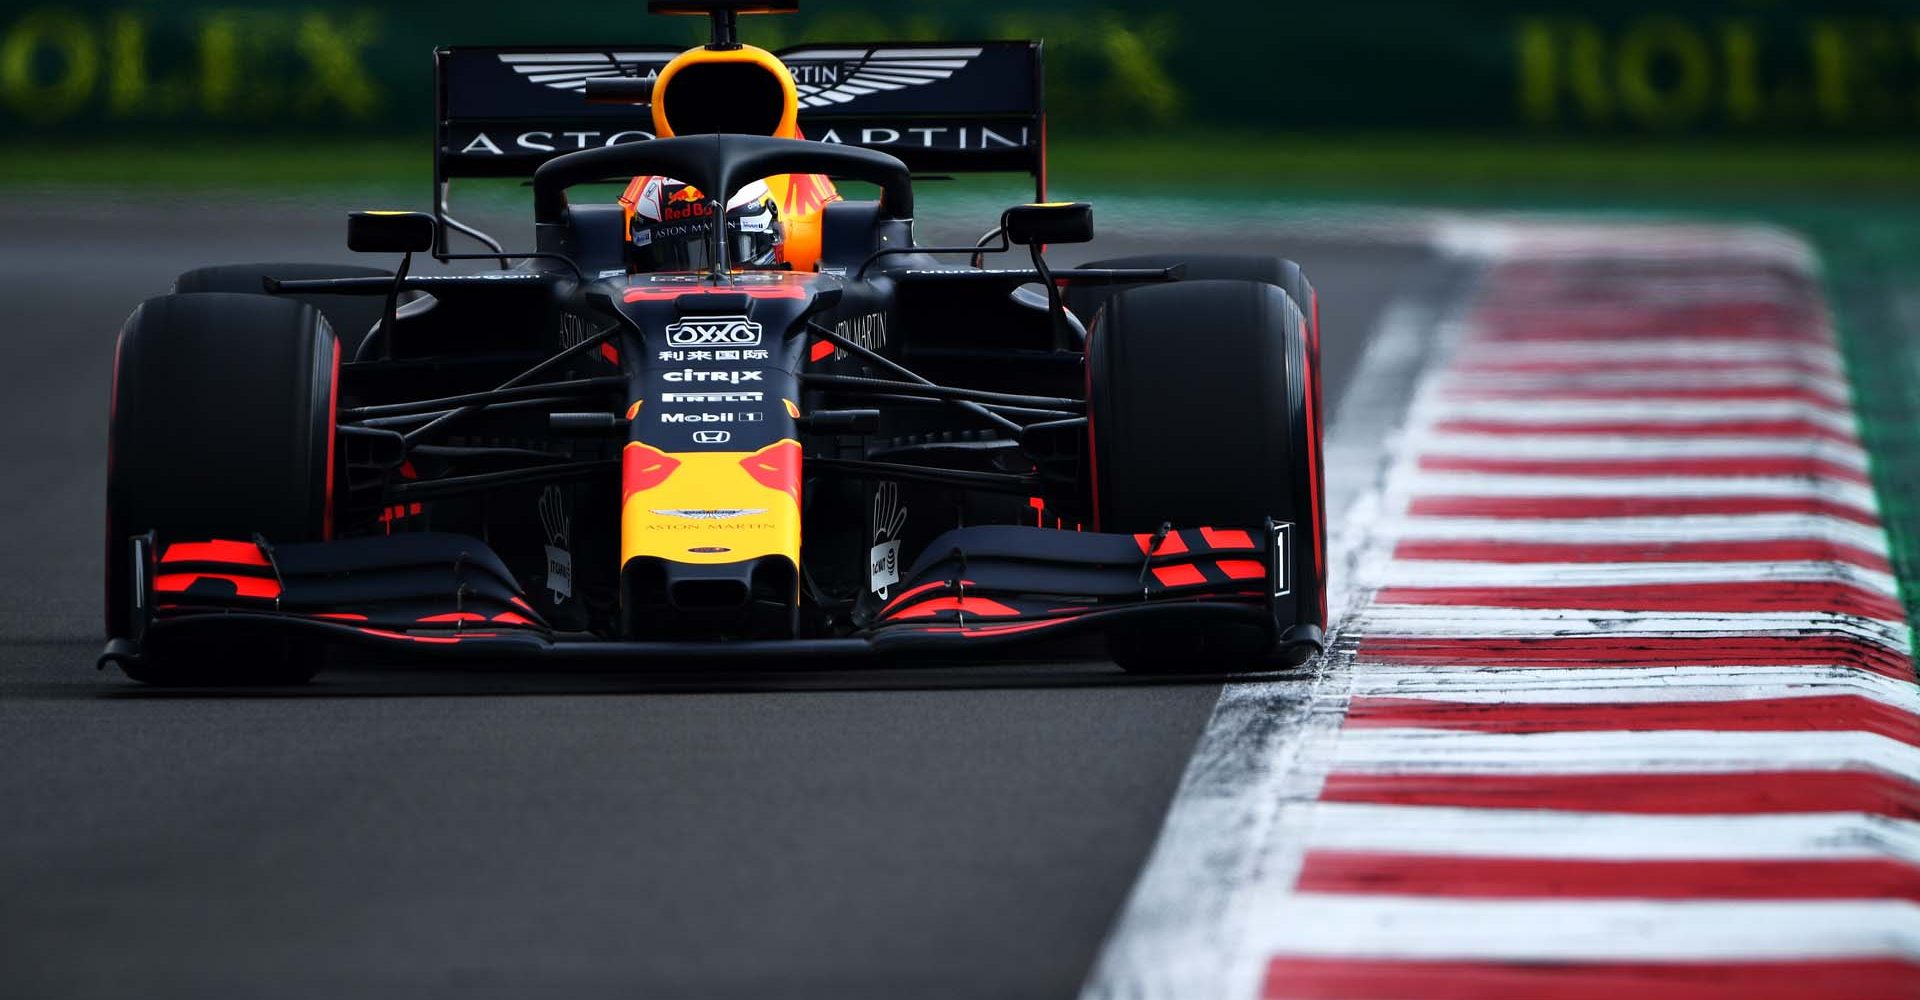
(714, 331)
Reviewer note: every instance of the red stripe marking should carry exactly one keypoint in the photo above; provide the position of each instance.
(1182, 575)
(1093, 446)
(1290, 978)
(977, 631)
(244, 586)
(611, 353)
(902, 597)
(1772, 595)
(1692, 428)
(1767, 393)
(441, 640)
(1559, 324)
(964, 605)
(1584, 366)
(1631, 506)
(333, 430)
(1547, 652)
(341, 616)
(1229, 538)
(821, 350)
(1530, 331)
(1462, 876)
(454, 616)
(1816, 714)
(1745, 793)
(1771, 465)
(1782, 550)
(238, 553)
(511, 618)
(1172, 545)
(1242, 569)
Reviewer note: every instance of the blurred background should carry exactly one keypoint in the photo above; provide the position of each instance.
(1386, 99)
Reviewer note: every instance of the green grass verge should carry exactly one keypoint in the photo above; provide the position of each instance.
(1872, 271)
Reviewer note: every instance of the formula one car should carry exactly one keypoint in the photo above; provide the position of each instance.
(678, 431)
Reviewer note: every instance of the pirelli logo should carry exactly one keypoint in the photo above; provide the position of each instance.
(711, 397)
(714, 331)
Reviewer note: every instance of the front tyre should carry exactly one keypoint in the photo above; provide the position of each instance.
(1201, 412)
(221, 426)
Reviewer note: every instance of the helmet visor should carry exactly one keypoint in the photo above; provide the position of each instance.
(752, 232)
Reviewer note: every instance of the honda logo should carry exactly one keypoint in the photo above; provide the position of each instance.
(712, 437)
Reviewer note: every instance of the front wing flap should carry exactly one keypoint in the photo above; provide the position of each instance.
(430, 594)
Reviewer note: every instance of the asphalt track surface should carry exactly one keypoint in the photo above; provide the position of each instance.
(970, 831)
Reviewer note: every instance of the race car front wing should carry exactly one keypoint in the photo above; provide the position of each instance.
(437, 595)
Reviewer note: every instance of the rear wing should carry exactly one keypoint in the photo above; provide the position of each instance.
(942, 107)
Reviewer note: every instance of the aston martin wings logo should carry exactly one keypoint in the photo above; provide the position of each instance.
(720, 514)
(828, 77)
(572, 70)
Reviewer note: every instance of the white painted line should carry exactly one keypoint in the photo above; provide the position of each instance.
(1477, 383)
(1444, 621)
(1601, 530)
(1619, 446)
(1624, 685)
(1542, 240)
(1813, 488)
(1719, 349)
(1585, 930)
(1428, 573)
(1645, 411)
(1433, 751)
(1541, 833)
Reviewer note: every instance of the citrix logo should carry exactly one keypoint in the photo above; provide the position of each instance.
(693, 375)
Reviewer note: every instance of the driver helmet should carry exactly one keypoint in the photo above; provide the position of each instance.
(667, 225)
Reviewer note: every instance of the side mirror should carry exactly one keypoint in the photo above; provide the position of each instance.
(389, 232)
(620, 90)
(1049, 222)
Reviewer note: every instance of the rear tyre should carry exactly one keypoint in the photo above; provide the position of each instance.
(1201, 412)
(221, 426)
(351, 316)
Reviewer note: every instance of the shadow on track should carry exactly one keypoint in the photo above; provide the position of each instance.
(1061, 668)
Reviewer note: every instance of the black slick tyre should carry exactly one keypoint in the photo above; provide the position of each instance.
(1086, 300)
(1202, 412)
(221, 427)
(351, 316)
